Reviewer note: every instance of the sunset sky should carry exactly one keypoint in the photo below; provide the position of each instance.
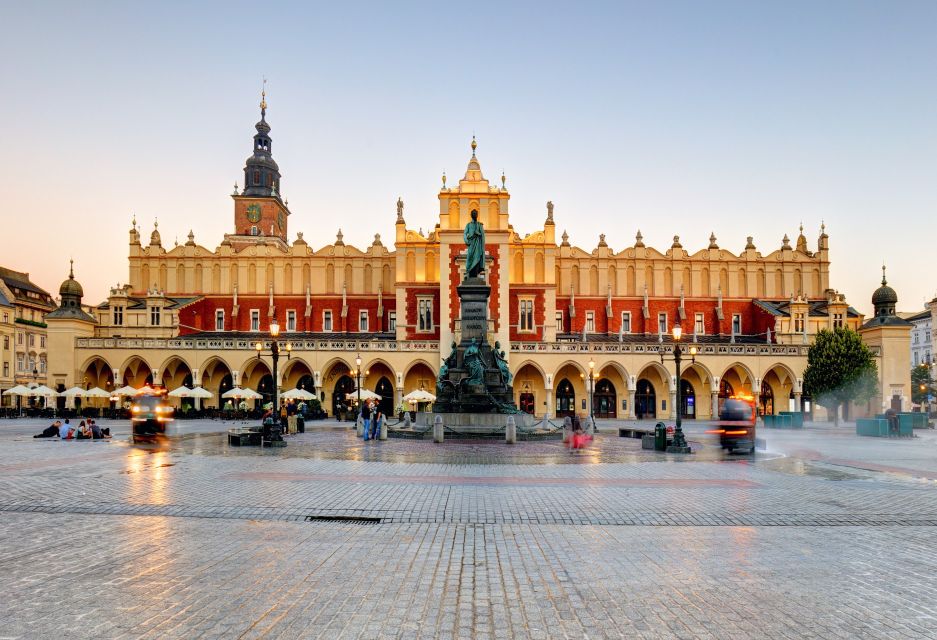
(673, 118)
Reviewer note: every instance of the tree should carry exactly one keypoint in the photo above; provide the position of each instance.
(922, 384)
(840, 369)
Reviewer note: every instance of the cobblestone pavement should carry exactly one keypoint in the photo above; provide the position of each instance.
(824, 535)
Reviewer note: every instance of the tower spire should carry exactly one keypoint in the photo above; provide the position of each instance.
(884, 281)
(261, 173)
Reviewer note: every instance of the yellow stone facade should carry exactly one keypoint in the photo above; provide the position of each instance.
(571, 320)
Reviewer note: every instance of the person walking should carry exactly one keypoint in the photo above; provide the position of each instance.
(366, 418)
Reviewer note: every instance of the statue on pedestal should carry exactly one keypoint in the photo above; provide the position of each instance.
(474, 247)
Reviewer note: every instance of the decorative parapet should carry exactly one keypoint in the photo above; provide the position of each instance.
(351, 345)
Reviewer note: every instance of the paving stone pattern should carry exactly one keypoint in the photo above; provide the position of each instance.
(196, 540)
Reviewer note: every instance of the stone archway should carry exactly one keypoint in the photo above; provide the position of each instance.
(136, 373)
(565, 399)
(385, 389)
(216, 378)
(344, 385)
(530, 388)
(688, 409)
(605, 399)
(645, 400)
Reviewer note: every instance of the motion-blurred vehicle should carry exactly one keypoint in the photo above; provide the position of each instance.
(736, 426)
(150, 414)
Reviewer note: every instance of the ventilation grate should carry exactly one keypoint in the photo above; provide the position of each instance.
(351, 519)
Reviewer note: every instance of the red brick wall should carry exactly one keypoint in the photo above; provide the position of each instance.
(754, 320)
(539, 314)
(201, 314)
(412, 322)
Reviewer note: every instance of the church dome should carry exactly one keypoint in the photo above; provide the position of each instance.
(884, 295)
(71, 287)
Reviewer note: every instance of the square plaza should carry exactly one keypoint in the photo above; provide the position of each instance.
(822, 534)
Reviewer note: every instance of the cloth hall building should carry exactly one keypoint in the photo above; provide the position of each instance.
(578, 325)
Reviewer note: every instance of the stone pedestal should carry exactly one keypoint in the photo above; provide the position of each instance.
(438, 430)
(510, 431)
(455, 394)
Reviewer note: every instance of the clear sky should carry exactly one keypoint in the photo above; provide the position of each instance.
(676, 118)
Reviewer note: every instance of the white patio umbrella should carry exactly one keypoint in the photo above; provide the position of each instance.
(366, 394)
(97, 392)
(18, 390)
(297, 394)
(420, 395)
(144, 390)
(71, 394)
(43, 391)
(126, 391)
(238, 392)
(181, 392)
(199, 392)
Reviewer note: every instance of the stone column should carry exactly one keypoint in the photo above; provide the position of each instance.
(798, 405)
(714, 399)
(631, 414)
(673, 404)
(549, 410)
(757, 397)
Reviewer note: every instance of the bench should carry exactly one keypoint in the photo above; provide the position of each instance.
(634, 432)
(244, 436)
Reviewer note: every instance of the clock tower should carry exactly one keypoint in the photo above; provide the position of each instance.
(259, 210)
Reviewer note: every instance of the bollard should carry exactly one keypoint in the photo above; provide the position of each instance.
(437, 429)
(510, 432)
(360, 426)
(406, 420)
(382, 435)
(567, 429)
(591, 429)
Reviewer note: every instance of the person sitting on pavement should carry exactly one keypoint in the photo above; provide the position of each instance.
(64, 429)
(80, 431)
(52, 431)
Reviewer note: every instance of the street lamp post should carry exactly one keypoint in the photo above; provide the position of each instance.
(275, 434)
(592, 393)
(358, 387)
(679, 440)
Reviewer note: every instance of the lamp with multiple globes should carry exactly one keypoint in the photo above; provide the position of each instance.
(274, 434)
(679, 439)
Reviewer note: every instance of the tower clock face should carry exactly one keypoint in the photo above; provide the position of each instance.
(253, 212)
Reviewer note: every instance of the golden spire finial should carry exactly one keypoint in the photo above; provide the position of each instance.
(474, 145)
(71, 268)
(263, 98)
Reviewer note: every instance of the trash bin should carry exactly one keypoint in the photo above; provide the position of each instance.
(300, 424)
(660, 437)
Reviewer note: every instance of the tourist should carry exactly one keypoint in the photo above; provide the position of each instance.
(64, 429)
(52, 431)
(366, 417)
(579, 438)
(376, 419)
(81, 431)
